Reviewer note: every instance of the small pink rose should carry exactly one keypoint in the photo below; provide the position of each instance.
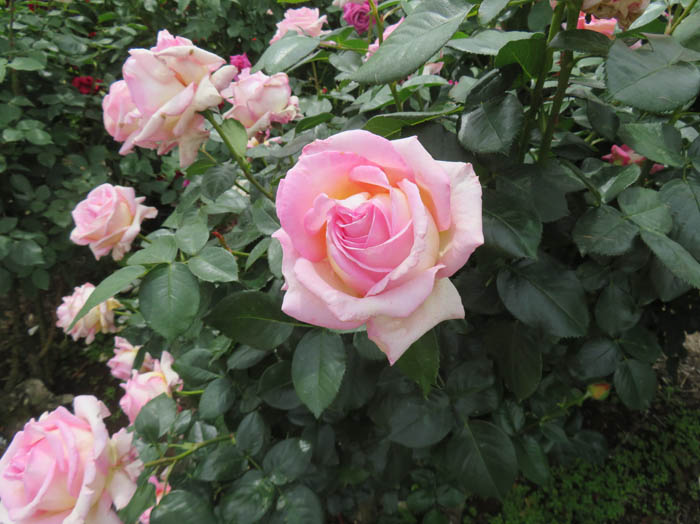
(142, 387)
(99, 319)
(65, 468)
(161, 489)
(358, 16)
(603, 26)
(122, 362)
(305, 21)
(371, 229)
(109, 219)
(624, 155)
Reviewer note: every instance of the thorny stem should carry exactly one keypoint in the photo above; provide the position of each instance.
(245, 166)
(194, 448)
(223, 243)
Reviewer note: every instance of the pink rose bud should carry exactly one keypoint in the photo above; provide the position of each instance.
(65, 468)
(99, 319)
(259, 100)
(122, 362)
(142, 387)
(241, 62)
(599, 391)
(161, 489)
(625, 11)
(371, 229)
(357, 15)
(167, 86)
(606, 27)
(109, 219)
(625, 155)
(372, 48)
(305, 21)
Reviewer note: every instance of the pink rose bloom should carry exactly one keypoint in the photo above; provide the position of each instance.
(371, 229)
(357, 15)
(305, 21)
(64, 468)
(109, 219)
(342, 3)
(625, 11)
(142, 387)
(259, 100)
(120, 116)
(432, 68)
(604, 26)
(161, 489)
(122, 362)
(168, 85)
(625, 155)
(241, 62)
(372, 48)
(99, 319)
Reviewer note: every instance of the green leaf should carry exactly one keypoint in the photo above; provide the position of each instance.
(597, 358)
(214, 264)
(156, 417)
(25, 63)
(532, 460)
(250, 436)
(230, 201)
(493, 126)
(641, 344)
(421, 361)
(418, 422)
(183, 507)
(220, 178)
(144, 497)
(529, 54)
(657, 141)
(275, 386)
(265, 216)
(41, 279)
(688, 32)
(490, 9)
(245, 357)
(366, 348)
(616, 310)
(222, 463)
(250, 498)
(285, 53)
(545, 296)
(312, 121)
(390, 124)
(169, 299)
(38, 137)
(612, 180)
(299, 505)
(582, 40)
(511, 224)
(419, 37)
(162, 250)
(287, 460)
(682, 196)
(27, 253)
(252, 318)
(484, 458)
(604, 231)
(674, 256)
(649, 80)
(602, 116)
(471, 387)
(109, 287)
(192, 236)
(217, 398)
(651, 13)
(487, 42)
(237, 137)
(519, 359)
(318, 366)
(635, 383)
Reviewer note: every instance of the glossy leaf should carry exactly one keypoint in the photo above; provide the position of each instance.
(635, 383)
(214, 264)
(492, 127)
(421, 361)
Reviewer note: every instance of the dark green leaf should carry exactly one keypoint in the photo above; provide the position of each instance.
(490, 9)
(488, 42)
(162, 250)
(366, 348)
(156, 417)
(582, 40)
(217, 398)
(511, 224)
(602, 116)
(604, 231)
(421, 361)
(418, 422)
(265, 216)
(287, 460)
(616, 310)
(312, 121)
(657, 141)
(214, 264)
(298, 505)
(682, 195)
(275, 386)
(529, 54)
(688, 32)
(218, 179)
(674, 256)
(249, 499)
(532, 460)
(143, 498)
(519, 359)
(192, 236)
(641, 344)
(493, 126)
(597, 358)
(285, 53)
(645, 208)
(25, 63)
(245, 357)
(182, 507)
(221, 463)
(250, 435)
(27, 253)
(635, 383)
(237, 136)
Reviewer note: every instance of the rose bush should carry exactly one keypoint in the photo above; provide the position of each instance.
(64, 467)
(100, 319)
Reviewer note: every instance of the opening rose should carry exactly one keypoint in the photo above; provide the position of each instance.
(305, 21)
(371, 229)
(99, 319)
(65, 468)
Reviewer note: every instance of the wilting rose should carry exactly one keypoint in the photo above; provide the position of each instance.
(372, 48)
(64, 468)
(122, 362)
(604, 26)
(109, 219)
(259, 100)
(168, 85)
(624, 155)
(161, 489)
(358, 16)
(142, 387)
(371, 229)
(305, 21)
(99, 319)
(625, 11)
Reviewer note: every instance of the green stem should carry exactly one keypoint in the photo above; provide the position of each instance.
(194, 448)
(567, 64)
(378, 21)
(397, 100)
(685, 13)
(189, 393)
(245, 166)
(318, 86)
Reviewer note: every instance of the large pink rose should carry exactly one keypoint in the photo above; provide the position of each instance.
(371, 229)
(64, 468)
(259, 100)
(99, 319)
(109, 219)
(142, 387)
(305, 21)
(167, 86)
(122, 362)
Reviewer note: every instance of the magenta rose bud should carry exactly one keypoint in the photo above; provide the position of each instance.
(305, 21)
(99, 319)
(142, 387)
(371, 229)
(122, 362)
(65, 468)
(259, 100)
(624, 155)
(357, 15)
(109, 219)
(241, 62)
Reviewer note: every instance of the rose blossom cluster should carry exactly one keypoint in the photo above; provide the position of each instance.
(66, 468)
